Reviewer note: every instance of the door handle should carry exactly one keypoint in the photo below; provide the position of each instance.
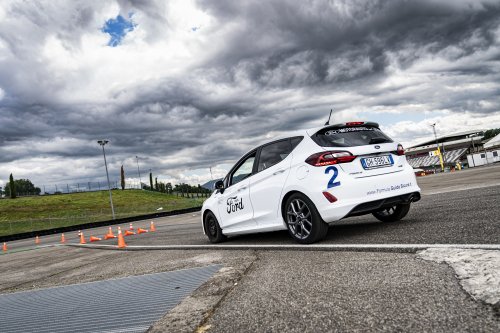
(278, 172)
(242, 188)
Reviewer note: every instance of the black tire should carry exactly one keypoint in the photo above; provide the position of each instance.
(212, 229)
(303, 221)
(392, 214)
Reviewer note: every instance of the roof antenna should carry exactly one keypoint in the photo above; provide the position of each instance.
(328, 121)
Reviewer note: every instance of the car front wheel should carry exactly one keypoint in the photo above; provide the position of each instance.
(212, 229)
(303, 220)
(392, 214)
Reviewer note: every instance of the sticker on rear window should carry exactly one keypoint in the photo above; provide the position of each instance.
(349, 129)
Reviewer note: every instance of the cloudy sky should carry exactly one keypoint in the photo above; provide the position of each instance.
(186, 85)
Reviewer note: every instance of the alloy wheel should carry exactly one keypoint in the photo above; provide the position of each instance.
(212, 226)
(299, 219)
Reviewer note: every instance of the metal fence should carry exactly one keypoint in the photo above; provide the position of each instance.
(85, 187)
(65, 188)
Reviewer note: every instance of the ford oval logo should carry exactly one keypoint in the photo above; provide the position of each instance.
(377, 147)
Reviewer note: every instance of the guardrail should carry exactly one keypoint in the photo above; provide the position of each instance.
(52, 231)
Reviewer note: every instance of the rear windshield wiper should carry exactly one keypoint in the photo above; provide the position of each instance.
(378, 140)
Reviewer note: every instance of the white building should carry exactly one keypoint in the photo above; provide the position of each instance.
(490, 153)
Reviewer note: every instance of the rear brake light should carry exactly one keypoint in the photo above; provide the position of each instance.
(330, 158)
(355, 123)
(330, 197)
(400, 150)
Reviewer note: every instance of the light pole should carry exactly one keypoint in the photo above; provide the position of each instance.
(102, 143)
(138, 171)
(473, 149)
(437, 145)
(435, 135)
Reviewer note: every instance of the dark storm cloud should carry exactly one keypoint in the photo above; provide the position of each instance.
(330, 43)
(38, 20)
(269, 67)
(161, 121)
(23, 73)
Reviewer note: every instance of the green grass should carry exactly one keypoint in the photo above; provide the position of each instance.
(51, 211)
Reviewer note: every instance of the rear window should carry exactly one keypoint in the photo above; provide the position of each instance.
(350, 136)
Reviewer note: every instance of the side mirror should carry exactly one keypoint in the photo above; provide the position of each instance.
(219, 186)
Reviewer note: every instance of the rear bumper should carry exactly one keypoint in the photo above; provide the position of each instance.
(373, 206)
(358, 196)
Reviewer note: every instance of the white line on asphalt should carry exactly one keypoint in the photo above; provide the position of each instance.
(460, 188)
(313, 247)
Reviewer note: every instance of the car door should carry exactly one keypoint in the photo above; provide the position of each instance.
(266, 185)
(235, 208)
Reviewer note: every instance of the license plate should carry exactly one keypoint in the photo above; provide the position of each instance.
(377, 162)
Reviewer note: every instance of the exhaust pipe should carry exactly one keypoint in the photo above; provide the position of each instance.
(414, 197)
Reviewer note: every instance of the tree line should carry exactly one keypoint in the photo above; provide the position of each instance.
(183, 190)
(19, 187)
(24, 187)
(491, 133)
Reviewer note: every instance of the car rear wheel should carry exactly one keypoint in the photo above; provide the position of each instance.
(303, 220)
(212, 229)
(392, 214)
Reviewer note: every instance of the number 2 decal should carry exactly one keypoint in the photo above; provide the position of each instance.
(332, 182)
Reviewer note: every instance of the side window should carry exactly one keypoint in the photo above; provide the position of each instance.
(295, 141)
(273, 153)
(243, 171)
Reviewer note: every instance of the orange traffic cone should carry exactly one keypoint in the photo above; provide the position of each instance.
(130, 227)
(63, 239)
(121, 240)
(152, 228)
(37, 240)
(129, 233)
(94, 239)
(141, 231)
(82, 238)
(4, 247)
(109, 234)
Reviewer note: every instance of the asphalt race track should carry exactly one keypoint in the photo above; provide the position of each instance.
(300, 291)
(454, 214)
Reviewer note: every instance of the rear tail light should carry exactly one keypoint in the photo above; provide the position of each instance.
(354, 123)
(330, 158)
(400, 150)
(330, 197)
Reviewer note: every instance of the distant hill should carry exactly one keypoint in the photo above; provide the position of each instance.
(210, 184)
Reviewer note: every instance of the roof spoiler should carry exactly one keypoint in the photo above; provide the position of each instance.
(353, 124)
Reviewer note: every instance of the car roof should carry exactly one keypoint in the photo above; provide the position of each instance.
(314, 130)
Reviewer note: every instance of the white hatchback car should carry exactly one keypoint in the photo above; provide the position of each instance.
(306, 181)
